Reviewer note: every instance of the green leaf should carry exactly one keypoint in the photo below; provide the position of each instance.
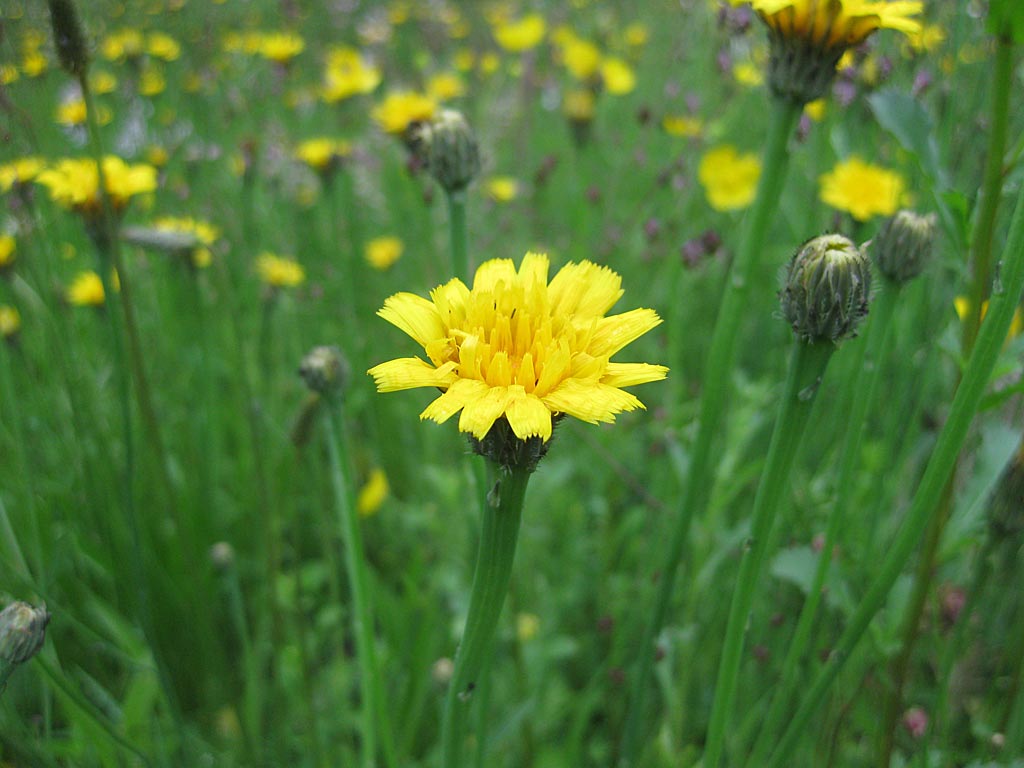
(906, 119)
(1007, 17)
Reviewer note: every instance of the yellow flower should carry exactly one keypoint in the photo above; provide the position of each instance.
(348, 75)
(579, 105)
(962, 305)
(6, 251)
(618, 76)
(402, 108)
(162, 46)
(102, 81)
(86, 290)
(125, 43)
(382, 252)
(521, 35)
(74, 183)
(815, 110)
(527, 626)
(829, 24)
(749, 74)
(636, 34)
(445, 86)
(8, 74)
(20, 171)
(205, 234)
(519, 347)
(682, 125)
(152, 82)
(279, 272)
(502, 189)
(281, 47)
(729, 178)
(72, 113)
(373, 494)
(10, 321)
(581, 57)
(322, 153)
(34, 64)
(863, 190)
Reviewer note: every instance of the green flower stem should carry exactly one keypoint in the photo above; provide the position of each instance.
(806, 369)
(500, 530)
(991, 189)
(784, 115)
(374, 715)
(868, 354)
(457, 228)
(965, 404)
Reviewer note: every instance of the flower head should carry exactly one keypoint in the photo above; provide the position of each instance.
(809, 36)
(74, 183)
(20, 171)
(729, 178)
(281, 47)
(323, 154)
(86, 290)
(373, 494)
(401, 109)
(279, 272)
(518, 348)
(10, 321)
(862, 189)
(521, 35)
(382, 252)
(6, 251)
(348, 75)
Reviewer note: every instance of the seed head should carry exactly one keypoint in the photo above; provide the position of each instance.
(324, 370)
(68, 37)
(904, 245)
(828, 285)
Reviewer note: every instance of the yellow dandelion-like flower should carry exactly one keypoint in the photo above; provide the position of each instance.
(34, 64)
(20, 171)
(581, 57)
(618, 77)
(281, 47)
(10, 321)
(636, 34)
(926, 39)
(749, 74)
(102, 81)
(519, 347)
(74, 182)
(279, 272)
(322, 153)
(152, 82)
(347, 75)
(863, 190)
(86, 290)
(373, 494)
(72, 113)
(122, 44)
(400, 109)
(8, 74)
(521, 35)
(502, 189)
(445, 86)
(527, 626)
(682, 125)
(729, 178)
(579, 105)
(815, 110)
(6, 251)
(162, 46)
(204, 233)
(382, 252)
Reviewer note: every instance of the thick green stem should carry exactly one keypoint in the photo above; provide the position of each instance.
(374, 715)
(717, 377)
(867, 366)
(459, 237)
(965, 404)
(806, 369)
(499, 532)
(991, 189)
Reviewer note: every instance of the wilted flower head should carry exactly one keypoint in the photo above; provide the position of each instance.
(809, 36)
(519, 349)
(74, 183)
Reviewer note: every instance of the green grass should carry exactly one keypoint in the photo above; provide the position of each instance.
(258, 649)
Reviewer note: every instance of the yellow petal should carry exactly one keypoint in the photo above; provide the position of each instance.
(628, 374)
(415, 315)
(590, 402)
(586, 289)
(460, 393)
(528, 416)
(492, 272)
(534, 269)
(411, 372)
(613, 333)
(480, 413)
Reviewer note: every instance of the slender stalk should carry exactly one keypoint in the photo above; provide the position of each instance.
(717, 376)
(374, 715)
(806, 369)
(864, 389)
(500, 530)
(459, 237)
(965, 404)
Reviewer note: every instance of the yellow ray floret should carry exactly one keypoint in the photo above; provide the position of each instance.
(520, 347)
(837, 23)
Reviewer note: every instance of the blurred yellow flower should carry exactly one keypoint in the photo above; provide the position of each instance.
(527, 627)
(20, 171)
(502, 189)
(521, 35)
(122, 44)
(8, 74)
(152, 82)
(402, 108)
(445, 86)
(162, 46)
(581, 57)
(837, 23)
(86, 290)
(373, 494)
(6, 251)
(382, 252)
(862, 189)
(281, 47)
(729, 178)
(74, 183)
(962, 305)
(322, 154)
(749, 74)
(347, 75)
(10, 321)
(636, 34)
(279, 272)
(33, 64)
(682, 125)
(72, 113)
(102, 81)
(520, 348)
(618, 76)
(579, 105)
(926, 39)
(815, 110)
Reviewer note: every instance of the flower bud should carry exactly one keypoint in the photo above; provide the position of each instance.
(22, 632)
(68, 37)
(324, 370)
(448, 148)
(904, 245)
(828, 285)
